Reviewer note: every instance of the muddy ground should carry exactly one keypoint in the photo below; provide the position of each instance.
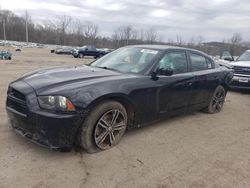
(195, 150)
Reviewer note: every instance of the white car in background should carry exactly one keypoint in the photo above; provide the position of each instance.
(241, 68)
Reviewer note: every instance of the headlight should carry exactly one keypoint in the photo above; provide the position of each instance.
(57, 103)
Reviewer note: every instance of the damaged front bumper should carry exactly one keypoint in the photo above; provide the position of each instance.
(53, 131)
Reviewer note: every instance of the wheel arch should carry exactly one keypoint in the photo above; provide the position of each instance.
(121, 98)
(225, 86)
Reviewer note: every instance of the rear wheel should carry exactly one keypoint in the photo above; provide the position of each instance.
(217, 101)
(103, 127)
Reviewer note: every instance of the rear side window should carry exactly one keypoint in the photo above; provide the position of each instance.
(200, 62)
(177, 61)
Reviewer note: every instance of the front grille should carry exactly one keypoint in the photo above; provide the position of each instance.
(16, 94)
(16, 100)
(240, 84)
(242, 70)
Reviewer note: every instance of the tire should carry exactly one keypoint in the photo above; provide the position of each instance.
(81, 55)
(217, 101)
(96, 134)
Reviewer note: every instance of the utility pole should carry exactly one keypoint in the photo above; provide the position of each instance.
(26, 26)
(4, 34)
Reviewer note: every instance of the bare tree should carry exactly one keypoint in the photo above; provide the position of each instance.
(3, 20)
(127, 30)
(141, 35)
(90, 33)
(125, 35)
(200, 39)
(63, 24)
(235, 42)
(66, 31)
(151, 35)
(191, 42)
(236, 39)
(179, 40)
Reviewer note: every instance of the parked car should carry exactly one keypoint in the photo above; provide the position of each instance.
(5, 55)
(67, 50)
(92, 105)
(226, 55)
(88, 51)
(241, 68)
(18, 49)
(106, 50)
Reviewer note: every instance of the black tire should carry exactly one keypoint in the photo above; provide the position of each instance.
(217, 101)
(88, 134)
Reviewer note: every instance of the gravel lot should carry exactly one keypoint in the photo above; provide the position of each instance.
(195, 150)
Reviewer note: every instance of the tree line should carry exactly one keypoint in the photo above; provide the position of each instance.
(64, 30)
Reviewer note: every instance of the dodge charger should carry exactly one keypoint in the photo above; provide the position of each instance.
(93, 105)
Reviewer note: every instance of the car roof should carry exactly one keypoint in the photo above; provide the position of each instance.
(166, 47)
(156, 46)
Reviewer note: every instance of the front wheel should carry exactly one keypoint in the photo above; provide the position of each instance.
(103, 127)
(217, 101)
(80, 55)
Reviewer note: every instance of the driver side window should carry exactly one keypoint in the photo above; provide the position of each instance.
(177, 61)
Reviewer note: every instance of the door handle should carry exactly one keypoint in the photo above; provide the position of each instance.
(189, 84)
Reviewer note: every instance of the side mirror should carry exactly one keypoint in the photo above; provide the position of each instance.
(166, 72)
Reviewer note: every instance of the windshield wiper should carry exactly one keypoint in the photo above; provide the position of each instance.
(107, 68)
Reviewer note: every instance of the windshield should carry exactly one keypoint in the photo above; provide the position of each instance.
(127, 60)
(226, 54)
(245, 56)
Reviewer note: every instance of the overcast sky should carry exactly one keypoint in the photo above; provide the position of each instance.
(212, 19)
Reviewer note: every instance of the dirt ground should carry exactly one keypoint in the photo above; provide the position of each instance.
(195, 150)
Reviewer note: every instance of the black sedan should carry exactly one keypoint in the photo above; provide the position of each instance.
(92, 105)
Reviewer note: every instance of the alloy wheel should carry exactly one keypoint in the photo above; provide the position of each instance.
(109, 129)
(218, 100)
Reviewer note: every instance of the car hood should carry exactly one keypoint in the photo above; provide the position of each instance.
(60, 76)
(241, 63)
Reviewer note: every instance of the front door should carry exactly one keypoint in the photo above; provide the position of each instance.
(174, 92)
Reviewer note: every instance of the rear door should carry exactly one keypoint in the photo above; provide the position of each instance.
(205, 79)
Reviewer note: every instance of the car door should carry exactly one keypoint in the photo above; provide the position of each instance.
(92, 51)
(174, 91)
(205, 79)
(87, 51)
